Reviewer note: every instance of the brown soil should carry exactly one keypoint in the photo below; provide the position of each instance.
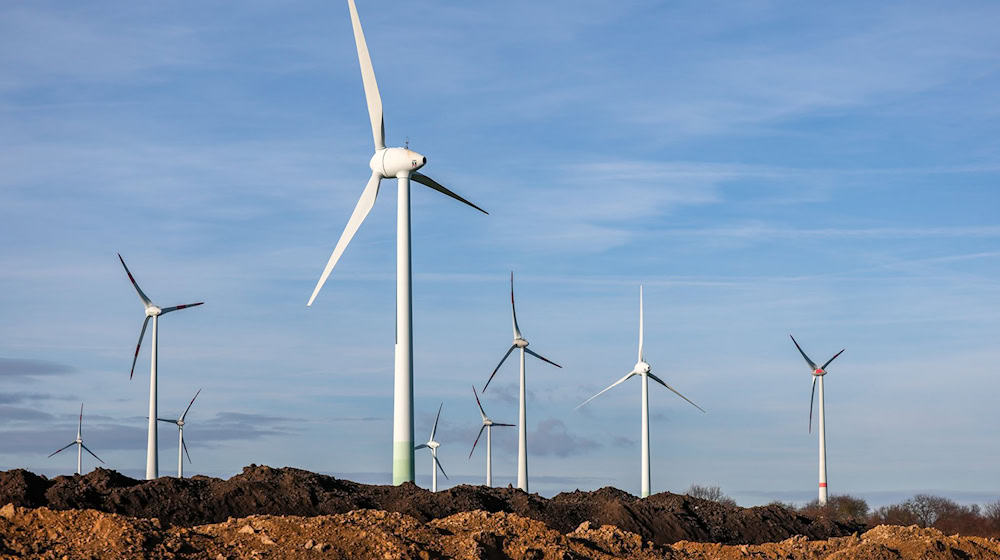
(364, 534)
(662, 518)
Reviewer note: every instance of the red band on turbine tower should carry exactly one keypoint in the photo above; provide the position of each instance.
(822, 485)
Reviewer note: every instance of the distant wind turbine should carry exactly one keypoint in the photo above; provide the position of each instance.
(488, 426)
(386, 163)
(522, 422)
(154, 312)
(181, 446)
(78, 442)
(818, 372)
(643, 370)
(433, 446)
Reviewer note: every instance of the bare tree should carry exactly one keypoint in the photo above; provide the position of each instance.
(992, 514)
(838, 508)
(710, 493)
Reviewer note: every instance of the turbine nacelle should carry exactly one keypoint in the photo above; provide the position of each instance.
(520, 342)
(819, 372)
(396, 162)
(153, 311)
(433, 444)
(642, 368)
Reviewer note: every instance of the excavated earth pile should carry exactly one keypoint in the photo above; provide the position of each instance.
(364, 534)
(661, 519)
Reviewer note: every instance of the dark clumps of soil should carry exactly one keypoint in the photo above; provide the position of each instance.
(661, 519)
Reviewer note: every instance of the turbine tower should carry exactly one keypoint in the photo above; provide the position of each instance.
(643, 370)
(433, 446)
(386, 163)
(522, 422)
(181, 446)
(818, 372)
(154, 312)
(488, 426)
(78, 442)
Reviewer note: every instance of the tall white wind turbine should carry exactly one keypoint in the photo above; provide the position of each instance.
(488, 426)
(181, 446)
(433, 446)
(817, 374)
(522, 421)
(386, 163)
(152, 311)
(78, 442)
(643, 370)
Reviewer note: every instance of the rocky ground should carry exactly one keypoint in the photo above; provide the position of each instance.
(662, 518)
(290, 513)
(364, 534)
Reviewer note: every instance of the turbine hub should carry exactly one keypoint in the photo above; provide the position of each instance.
(433, 444)
(180, 423)
(819, 372)
(520, 342)
(642, 368)
(395, 162)
(152, 311)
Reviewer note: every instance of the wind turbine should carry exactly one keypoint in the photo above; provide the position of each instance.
(154, 312)
(643, 370)
(180, 436)
(488, 426)
(818, 372)
(433, 446)
(522, 422)
(78, 442)
(386, 163)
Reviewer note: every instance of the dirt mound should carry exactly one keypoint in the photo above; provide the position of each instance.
(364, 534)
(662, 518)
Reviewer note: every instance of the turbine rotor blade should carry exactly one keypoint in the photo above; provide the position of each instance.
(543, 358)
(189, 405)
(145, 300)
(496, 369)
(481, 411)
(811, 363)
(812, 397)
(438, 463)
(185, 446)
(137, 345)
(167, 420)
(61, 448)
(79, 427)
(823, 367)
(483, 427)
(372, 96)
(361, 211)
(434, 429)
(641, 324)
(513, 311)
(620, 381)
(179, 307)
(499, 424)
(427, 181)
(421, 446)
(676, 392)
(92, 453)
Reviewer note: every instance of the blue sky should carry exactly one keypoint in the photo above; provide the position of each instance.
(763, 168)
